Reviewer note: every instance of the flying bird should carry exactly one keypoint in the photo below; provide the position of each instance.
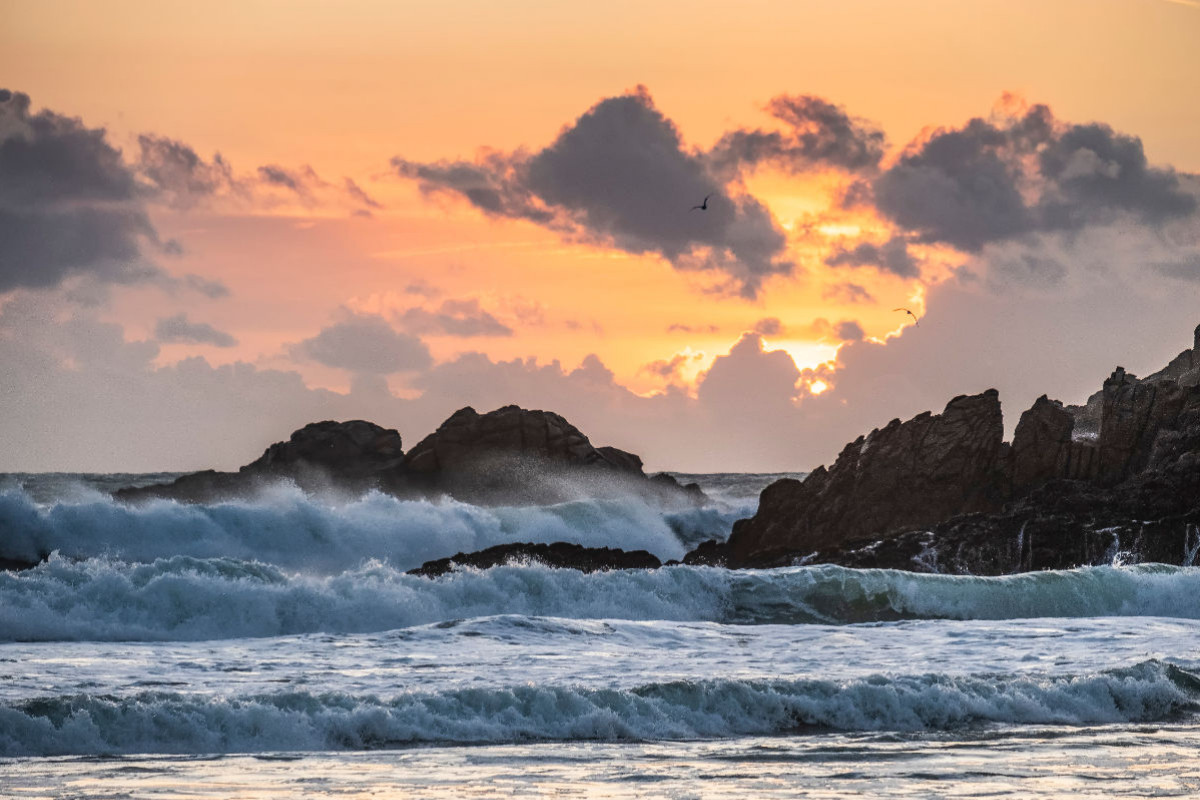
(911, 314)
(703, 206)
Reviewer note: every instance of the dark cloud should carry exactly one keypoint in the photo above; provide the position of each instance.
(359, 195)
(891, 256)
(668, 369)
(453, 318)
(178, 328)
(364, 343)
(991, 181)
(68, 202)
(181, 178)
(848, 293)
(211, 289)
(296, 180)
(1186, 269)
(849, 330)
(679, 327)
(422, 289)
(620, 176)
(768, 326)
(821, 134)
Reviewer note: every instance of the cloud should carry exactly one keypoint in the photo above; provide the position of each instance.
(178, 328)
(69, 205)
(179, 177)
(212, 289)
(821, 134)
(1002, 179)
(848, 293)
(769, 326)
(1186, 269)
(364, 343)
(891, 256)
(620, 176)
(453, 318)
(672, 368)
(679, 327)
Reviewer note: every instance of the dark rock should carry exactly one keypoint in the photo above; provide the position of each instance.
(903, 475)
(345, 456)
(932, 496)
(559, 554)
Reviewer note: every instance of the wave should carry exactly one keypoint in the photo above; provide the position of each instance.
(290, 529)
(187, 598)
(158, 722)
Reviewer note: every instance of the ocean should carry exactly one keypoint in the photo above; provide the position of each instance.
(276, 648)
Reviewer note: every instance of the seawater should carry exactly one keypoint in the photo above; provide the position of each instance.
(276, 648)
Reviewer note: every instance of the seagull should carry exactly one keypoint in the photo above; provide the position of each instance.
(911, 314)
(703, 206)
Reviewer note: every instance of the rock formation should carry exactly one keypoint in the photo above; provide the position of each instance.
(510, 455)
(560, 555)
(943, 493)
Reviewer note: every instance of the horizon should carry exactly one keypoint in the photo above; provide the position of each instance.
(218, 227)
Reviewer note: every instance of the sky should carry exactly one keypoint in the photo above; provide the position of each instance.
(221, 221)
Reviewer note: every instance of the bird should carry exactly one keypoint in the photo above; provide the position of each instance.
(703, 206)
(911, 314)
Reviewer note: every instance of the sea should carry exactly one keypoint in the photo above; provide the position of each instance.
(276, 648)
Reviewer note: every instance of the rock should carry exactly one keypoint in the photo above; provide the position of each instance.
(942, 494)
(903, 475)
(351, 456)
(559, 554)
(508, 456)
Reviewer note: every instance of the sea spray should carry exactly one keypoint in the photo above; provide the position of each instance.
(187, 598)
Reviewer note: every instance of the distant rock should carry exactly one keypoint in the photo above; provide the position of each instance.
(507, 456)
(560, 554)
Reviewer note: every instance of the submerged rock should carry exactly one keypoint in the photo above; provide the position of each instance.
(559, 554)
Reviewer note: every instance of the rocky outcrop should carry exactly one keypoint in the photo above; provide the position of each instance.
(347, 456)
(906, 474)
(944, 494)
(510, 455)
(559, 554)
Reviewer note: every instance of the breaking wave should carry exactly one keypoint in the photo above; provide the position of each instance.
(158, 722)
(188, 598)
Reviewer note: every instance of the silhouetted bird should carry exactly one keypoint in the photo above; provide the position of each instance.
(911, 314)
(703, 206)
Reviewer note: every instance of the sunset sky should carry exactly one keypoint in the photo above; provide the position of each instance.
(221, 221)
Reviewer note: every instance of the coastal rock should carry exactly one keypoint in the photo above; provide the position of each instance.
(344, 456)
(1125, 489)
(507, 456)
(561, 555)
(906, 474)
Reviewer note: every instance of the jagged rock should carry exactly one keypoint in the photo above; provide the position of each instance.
(559, 554)
(1129, 490)
(903, 475)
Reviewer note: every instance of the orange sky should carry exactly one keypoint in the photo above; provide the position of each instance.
(344, 87)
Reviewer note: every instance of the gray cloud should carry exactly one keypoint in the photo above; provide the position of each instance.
(891, 256)
(620, 176)
(178, 328)
(849, 330)
(991, 181)
(180, 178)
(212, 289)
(69, 204)
(364, 343)
(821, 133)
(453, 318)
(848, 293)
(768, 326)
(1186, 269)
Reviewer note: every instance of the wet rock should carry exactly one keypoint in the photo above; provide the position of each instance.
(559, 554)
